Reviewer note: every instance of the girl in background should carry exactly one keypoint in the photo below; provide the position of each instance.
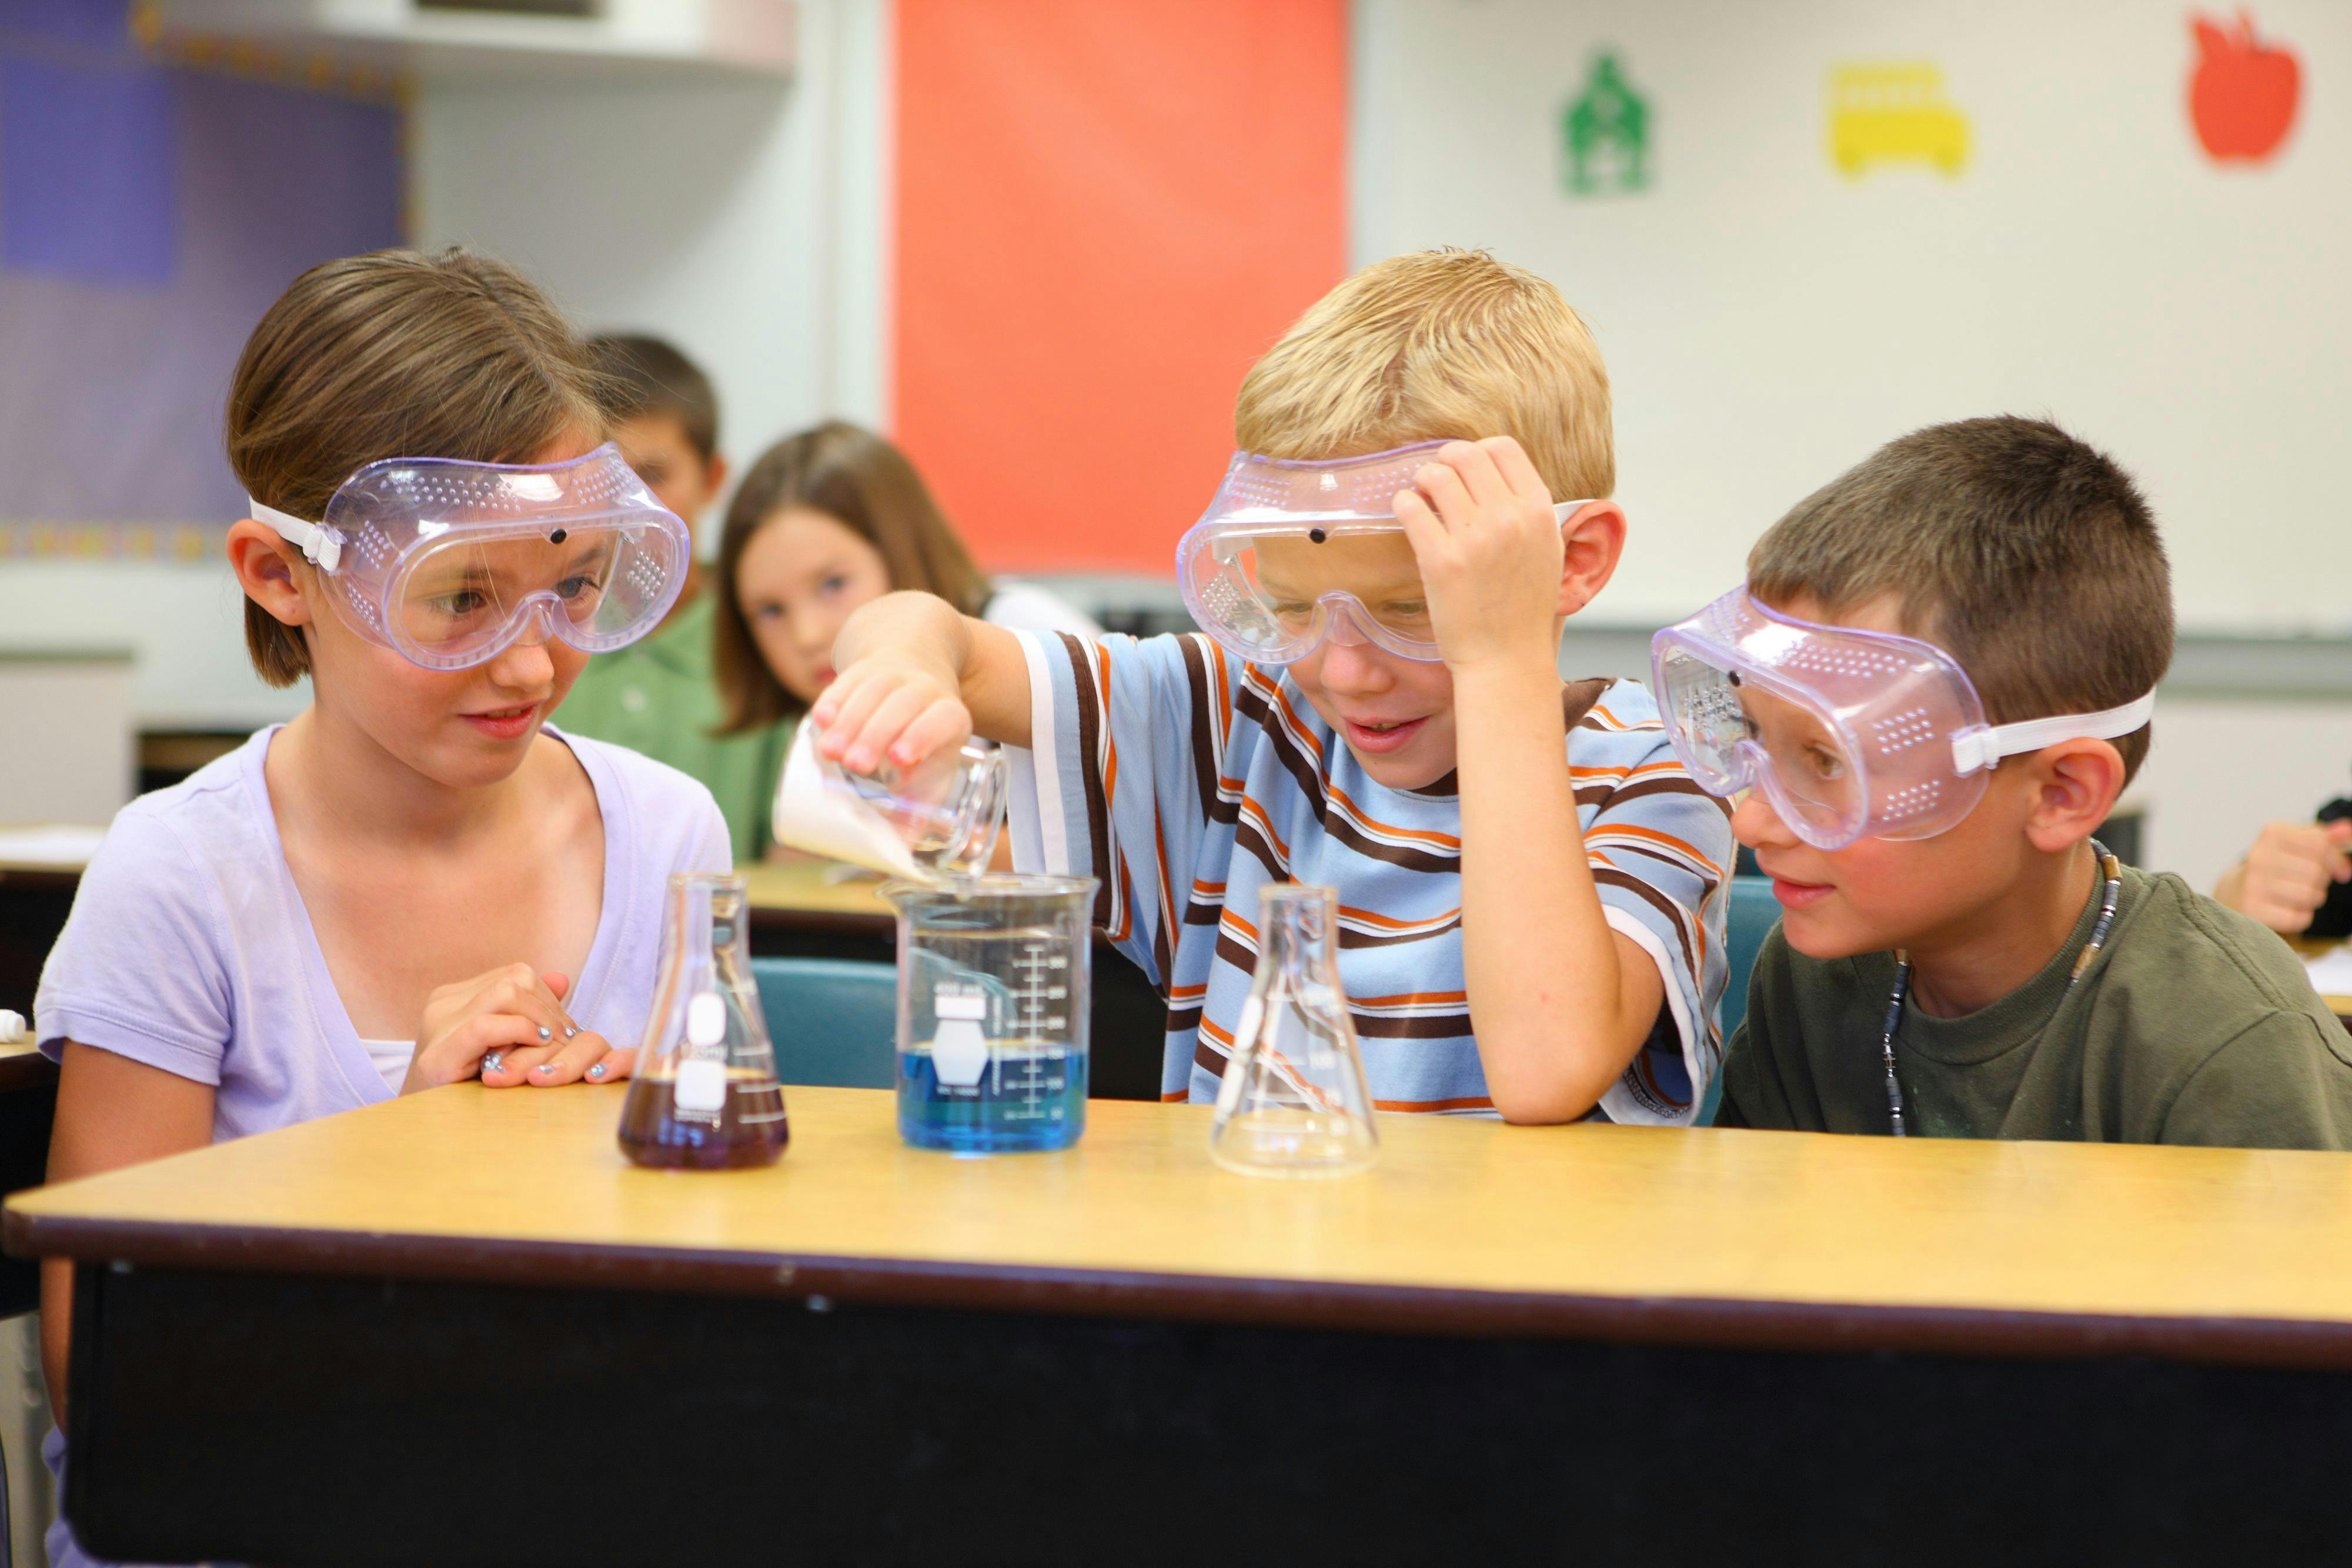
(824, 522)
(417, 881)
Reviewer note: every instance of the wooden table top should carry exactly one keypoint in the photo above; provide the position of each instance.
(1717, 1235)
(814, 888)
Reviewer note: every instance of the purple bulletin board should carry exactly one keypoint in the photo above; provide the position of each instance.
(150, 208)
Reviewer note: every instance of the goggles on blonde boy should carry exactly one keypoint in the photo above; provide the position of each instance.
(1291, 554)
(450, 563)
(1848, 734)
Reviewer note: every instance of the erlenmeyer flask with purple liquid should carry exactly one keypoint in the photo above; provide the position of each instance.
(705, 1096)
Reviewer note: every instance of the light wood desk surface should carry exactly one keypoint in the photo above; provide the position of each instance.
(814, 887)
(1711, 1236)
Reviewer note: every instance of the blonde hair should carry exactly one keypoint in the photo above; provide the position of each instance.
(395, 354)
(1441, 344)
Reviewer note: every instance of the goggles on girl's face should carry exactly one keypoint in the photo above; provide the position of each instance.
(1848, 734)
(450, 563)
(1291, 553)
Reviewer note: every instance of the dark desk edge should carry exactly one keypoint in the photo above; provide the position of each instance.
(26, 1070)
(820, 1281)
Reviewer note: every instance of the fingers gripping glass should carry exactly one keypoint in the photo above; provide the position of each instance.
(1290, 554)
(450, 563)
(1848, 734)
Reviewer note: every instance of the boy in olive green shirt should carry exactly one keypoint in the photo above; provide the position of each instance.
(658, 696)
(1926, 698)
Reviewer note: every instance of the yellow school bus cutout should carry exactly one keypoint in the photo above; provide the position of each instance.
(1893, 112)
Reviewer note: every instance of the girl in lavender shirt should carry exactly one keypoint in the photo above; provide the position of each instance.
(417, 881)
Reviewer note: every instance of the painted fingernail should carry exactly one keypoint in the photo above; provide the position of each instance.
(597, 1071)
(544, 1068)
(545, 1033)
(494, 1062)
(570, 1029)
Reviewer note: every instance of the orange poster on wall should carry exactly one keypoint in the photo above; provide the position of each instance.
(1104, 213)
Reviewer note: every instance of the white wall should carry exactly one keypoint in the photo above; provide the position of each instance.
(1767, 321)
(741, 219)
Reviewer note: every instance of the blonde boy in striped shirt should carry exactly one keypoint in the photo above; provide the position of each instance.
(1530, 885)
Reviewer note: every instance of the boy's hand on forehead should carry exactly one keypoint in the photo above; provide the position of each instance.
(1481, 523)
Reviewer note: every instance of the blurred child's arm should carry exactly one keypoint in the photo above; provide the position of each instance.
(1560, 1000)
(112, 1112)
(917, 678)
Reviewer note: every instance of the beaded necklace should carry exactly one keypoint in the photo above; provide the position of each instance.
(2111, 868)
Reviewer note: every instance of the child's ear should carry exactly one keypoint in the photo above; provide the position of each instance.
(2075, 783)
(714, 475)
(263, 564)
(1594, 537)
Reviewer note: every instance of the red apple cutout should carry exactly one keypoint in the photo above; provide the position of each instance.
(2242, 99)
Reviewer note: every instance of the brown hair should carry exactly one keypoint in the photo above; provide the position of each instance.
(643, 375)
(1436, 344)
(394, 354)
(2028, 555)
(863, 482)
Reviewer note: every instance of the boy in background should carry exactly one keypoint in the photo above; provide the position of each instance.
(1529, 884)
(659, 696)
(1957, 956)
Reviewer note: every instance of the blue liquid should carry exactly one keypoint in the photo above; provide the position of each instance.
(1029, 1098)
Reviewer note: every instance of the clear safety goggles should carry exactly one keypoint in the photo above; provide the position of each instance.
(1850, 734)
(450, 563)
(1290, 554)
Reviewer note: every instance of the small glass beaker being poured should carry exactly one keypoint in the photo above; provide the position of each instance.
(705, 1096)
(1293, 1101)
(940, 818)
(993, 980)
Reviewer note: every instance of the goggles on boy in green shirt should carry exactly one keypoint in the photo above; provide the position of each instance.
(1850, 733)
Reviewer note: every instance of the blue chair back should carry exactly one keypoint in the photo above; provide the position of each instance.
(833, 1021)
(1748, 919)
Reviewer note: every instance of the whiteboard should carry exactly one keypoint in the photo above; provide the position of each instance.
(1769, 321)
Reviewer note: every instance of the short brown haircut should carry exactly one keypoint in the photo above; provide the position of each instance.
(865, 484)
(2028, 555)
(1438, 344)
(395, 354)
(643, 375)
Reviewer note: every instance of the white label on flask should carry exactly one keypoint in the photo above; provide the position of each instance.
(960, 1005)
(701, 1085)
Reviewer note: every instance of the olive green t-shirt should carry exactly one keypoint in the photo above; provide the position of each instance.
(2193, 1025)
(658, 696)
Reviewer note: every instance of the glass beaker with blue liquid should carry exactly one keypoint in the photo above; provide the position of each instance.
(992, 1008)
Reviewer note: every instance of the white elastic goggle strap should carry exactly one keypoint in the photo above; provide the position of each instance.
(1983, 748)
(319, 547)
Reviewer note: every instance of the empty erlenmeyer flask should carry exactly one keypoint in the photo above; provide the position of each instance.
(705, 1096)
(1293, 1101)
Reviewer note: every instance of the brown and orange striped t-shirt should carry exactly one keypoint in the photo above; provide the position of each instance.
(1186, 780)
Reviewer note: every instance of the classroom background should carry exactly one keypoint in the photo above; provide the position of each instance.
(1038, 245)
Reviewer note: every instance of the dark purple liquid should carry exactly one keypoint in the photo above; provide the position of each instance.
(751, 1129)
